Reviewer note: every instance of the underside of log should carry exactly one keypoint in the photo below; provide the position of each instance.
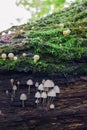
(70, 111)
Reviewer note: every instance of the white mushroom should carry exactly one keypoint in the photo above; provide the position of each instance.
(12, 81)
(24, 55)
(48, 84)
(51, 94)
(56, 89)
(66, 32)
(4, 56)
(36, 84)
(29, 83)
(41, 87)
(44, 97)
(11, 56)
(18, 83)
(36, 58)
(38, 96)
(52, 106)
(7, 92)
(14, 89)
(15, 58)
(23, 98)
(43, 81)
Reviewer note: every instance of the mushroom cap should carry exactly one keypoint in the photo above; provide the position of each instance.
(66, 32)
(52, 106)
(11, 80)
(43, 81)
(51, 93)
(15, 57)
(43, 95)
(48, 84)
(37, 101)
(41, 87)
(3, 55)
(36, 57)
(23, 97)
(36, 84)
(56, 89)
(37, 95)
(24, 54)
(11, 55)
(18, 82)
(29, 82)
(14, 87)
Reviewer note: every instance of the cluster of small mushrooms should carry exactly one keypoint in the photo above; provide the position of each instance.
(11, 56)
(45, 93)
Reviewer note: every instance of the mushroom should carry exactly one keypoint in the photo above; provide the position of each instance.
(36, 58)
(56, 89)
(4, 56)
(11, 56)
(29, 83)
(41, 87)
(52, 106)
(12, 81)
(7, 92)
(48, 84)
(44, 97)
(51, 94)
(38, 96)
(24, 55)
(36, 84)
(66, 32)
(43, 81)
(23, 98)
(14, 89)
(15, 58)
(18, 83)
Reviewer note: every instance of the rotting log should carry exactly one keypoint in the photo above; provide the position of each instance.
(70, 105)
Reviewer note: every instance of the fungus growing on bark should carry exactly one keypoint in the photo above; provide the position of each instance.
(52, 106)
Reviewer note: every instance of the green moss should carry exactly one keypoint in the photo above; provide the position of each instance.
(58, 52)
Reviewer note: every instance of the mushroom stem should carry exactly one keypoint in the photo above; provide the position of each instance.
(23, 105)
(29, 90)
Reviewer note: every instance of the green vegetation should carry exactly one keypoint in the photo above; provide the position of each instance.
(58, 52)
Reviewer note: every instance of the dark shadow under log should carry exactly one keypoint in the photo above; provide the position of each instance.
(70, 105)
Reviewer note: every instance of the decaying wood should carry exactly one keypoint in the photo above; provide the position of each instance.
(70, 112)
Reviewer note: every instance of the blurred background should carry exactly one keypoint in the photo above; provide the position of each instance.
(17, 12)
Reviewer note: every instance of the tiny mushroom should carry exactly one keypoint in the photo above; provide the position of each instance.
(23, 98)
(15, 58)
(66, 32)
(14, 89)
(29, 83)
(12, 81)
(7, 92)
(41, 87)
(36, 84)
(24, 55)
(11, 56)
(48, 84)
(4, 56)
(38, 96)
(51, 94)
(44, 97)
(52, 106)
(36, 58)
(56, 89)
